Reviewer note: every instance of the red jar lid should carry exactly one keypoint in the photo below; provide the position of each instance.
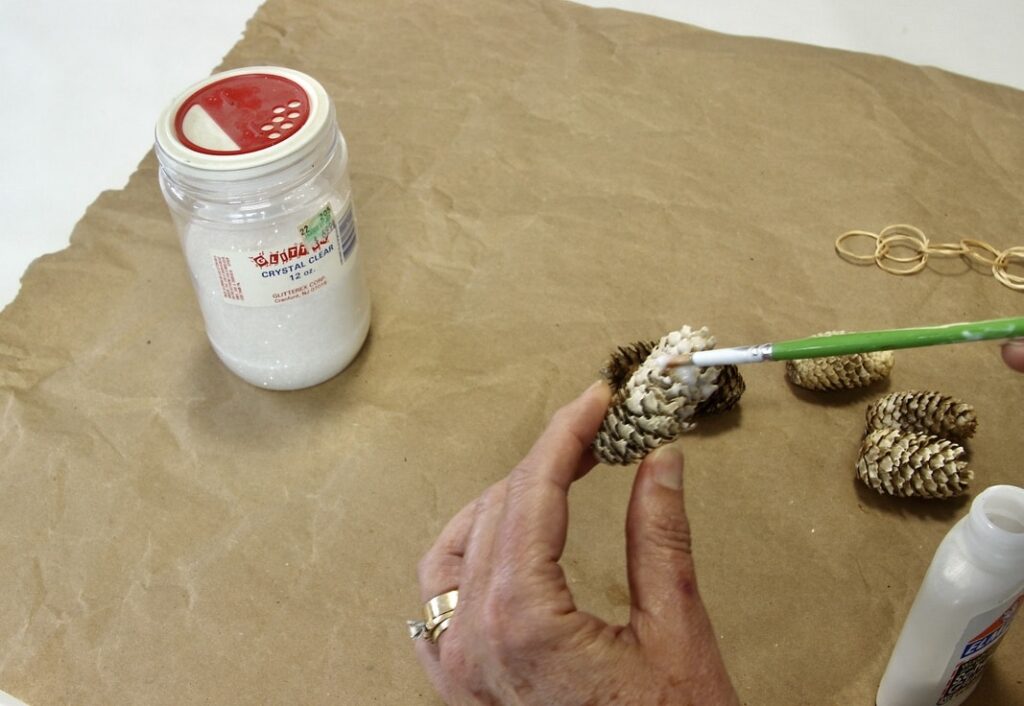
(254, 120)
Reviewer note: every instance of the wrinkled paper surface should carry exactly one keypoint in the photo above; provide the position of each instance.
(536, 183)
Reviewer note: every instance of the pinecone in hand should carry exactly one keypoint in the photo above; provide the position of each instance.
(730, 388)
(911, 464)
(652, 406)
(927, 412)
(840, 372)
(624, 363)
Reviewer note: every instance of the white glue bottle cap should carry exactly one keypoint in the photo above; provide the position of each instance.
(995, 526)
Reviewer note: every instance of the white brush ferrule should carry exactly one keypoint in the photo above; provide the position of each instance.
(733, 356)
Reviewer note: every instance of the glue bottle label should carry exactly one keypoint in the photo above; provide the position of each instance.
(977, 645)
(273, 276)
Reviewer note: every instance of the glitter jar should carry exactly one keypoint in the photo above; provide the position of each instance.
(255, 173)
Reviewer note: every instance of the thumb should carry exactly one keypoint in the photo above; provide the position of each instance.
(662, 582)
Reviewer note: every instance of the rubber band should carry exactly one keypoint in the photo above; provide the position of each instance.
(852, 256)
(907, 231)
(972, 246)
(902, 235)
(920, 265)
(948, 249)
(885, 244)
(1000, 268)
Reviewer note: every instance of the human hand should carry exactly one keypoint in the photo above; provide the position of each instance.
(516, 636)
(1013, 354)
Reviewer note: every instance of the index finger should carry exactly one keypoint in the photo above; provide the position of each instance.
(537, 502)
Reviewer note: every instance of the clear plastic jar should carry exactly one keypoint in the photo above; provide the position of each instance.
(255, 173)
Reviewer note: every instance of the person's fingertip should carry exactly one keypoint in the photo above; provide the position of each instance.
(598, 386)
(598, 394)
(1013, 354)
(666, 467)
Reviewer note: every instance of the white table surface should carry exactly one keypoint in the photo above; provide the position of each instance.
(84, 82)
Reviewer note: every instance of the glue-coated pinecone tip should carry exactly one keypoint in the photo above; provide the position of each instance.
(652, 406)
(909, 464)
(842, 372)
(923, 411)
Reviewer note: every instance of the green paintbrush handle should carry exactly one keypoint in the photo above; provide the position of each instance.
(848, 343)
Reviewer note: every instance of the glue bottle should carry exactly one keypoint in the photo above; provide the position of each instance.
(970, 594)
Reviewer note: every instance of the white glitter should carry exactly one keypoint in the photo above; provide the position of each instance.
(283, 346)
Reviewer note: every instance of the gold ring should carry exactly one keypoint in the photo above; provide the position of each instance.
(438, 606)
(436, 633)
(437, 614)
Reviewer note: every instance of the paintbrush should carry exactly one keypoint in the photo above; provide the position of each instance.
(849, 343)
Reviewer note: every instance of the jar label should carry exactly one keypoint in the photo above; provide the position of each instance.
(270, 277)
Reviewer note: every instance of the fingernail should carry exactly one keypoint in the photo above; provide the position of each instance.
(593, 389)
(1014, 343)
(668, 467)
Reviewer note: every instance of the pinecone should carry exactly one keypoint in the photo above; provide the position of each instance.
(907, 463)
(651, 406)
(840, 372)
(624, 363)
(730, 389)
(928, 412)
